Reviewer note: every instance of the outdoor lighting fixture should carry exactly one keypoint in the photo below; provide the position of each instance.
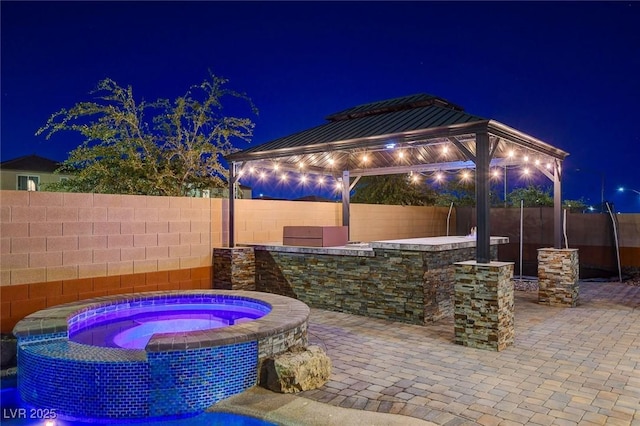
(414, 178)
(511, 154)
(537, 162)
(495, 173)
(365, 158)
(445, 149)
(283, 177)
(465, 175)
(275, 166)
(263, 175)
(525, 171)
(526, 158)
(320, 180)
(439, 176)
(331, 161)
(301, 165)
(338, 186)
(252, 170)
(401, 154)
(303, 179)
(622, 189)
(548, 166)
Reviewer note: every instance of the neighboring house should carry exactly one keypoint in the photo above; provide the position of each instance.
(245, 193)
(28, 173)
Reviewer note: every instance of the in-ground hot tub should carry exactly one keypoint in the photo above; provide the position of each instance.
(152, 354)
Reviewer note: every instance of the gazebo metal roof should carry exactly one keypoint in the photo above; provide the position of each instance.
(419, 125)
(417, 133)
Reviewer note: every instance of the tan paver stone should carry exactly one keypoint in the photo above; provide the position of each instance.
(572, 365)
(487, 420)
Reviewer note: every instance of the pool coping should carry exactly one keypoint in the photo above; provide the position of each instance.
(286, 313)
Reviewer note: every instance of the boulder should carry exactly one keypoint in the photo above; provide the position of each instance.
(298, 369)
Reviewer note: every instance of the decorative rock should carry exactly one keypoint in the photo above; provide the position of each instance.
(298, 369)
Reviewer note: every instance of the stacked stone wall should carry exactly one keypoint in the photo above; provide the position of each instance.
(484, 305)
(235, 268)
(400, 285)
(558, 273)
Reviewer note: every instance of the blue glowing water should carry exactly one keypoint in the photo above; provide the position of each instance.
(14, 412)
(132, 328)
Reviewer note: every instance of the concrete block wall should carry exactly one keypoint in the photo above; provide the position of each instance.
(371, 222)
(62, 247)
(262, 221)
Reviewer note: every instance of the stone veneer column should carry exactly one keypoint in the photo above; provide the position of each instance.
(558, 273)
(483, 304)
(234, 268)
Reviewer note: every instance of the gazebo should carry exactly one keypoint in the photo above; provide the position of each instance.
(412, 134)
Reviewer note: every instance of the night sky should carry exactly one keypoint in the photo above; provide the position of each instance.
(567, 73)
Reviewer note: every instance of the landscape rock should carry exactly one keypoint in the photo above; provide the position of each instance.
(298, 369)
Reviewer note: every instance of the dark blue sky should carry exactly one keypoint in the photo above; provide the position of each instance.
(564, 72)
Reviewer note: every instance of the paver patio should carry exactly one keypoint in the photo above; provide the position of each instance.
(568, 365)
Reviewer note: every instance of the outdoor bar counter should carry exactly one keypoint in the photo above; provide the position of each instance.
(406, 280)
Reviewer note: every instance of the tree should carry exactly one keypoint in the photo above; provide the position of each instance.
(392, 189)
(157, 148)
(533, 196)
(459, 192)
(575, 206)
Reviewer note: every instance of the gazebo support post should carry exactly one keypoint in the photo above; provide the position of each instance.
(483, 209)
(232, 197)
(483, 290)
(557, 205)
(346, 189)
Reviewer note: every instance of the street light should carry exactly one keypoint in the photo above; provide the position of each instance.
(621, 189)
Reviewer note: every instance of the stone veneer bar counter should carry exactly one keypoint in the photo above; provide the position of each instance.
(405, 280)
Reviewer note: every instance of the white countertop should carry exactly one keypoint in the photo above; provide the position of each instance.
(366, 249)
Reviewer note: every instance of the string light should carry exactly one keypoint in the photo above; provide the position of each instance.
(465, 175)
(365, 158)
(331, 161)
(303, 179)
(320, 180)
(400, 154)
(445, 150)
(276, 166)
(283, 177)
(439, 176)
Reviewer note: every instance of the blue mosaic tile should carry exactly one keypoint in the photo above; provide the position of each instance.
(87, 381)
